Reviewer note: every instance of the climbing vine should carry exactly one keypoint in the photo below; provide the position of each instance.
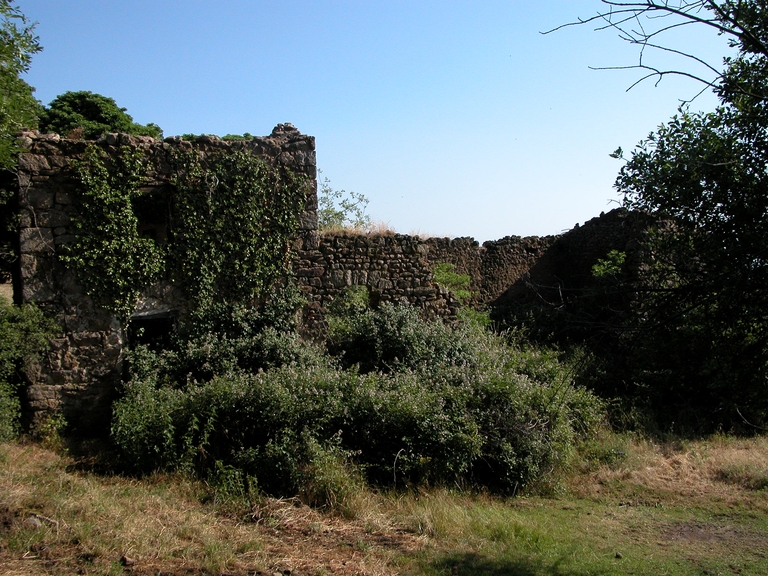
(234, 215)
(232, 218)
(112, 261)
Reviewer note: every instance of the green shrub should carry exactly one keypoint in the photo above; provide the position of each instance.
(91, 115)
(395, 337)
(451, 405)
(24, 332)
(446, 276)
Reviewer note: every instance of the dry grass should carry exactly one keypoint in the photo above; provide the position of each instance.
(6, 291)
(637, 507)
(377, 228)
(725, 468)
(56, 520)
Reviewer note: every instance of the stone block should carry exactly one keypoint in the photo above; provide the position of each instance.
(313, 272)
(24, 180)
(37, 291)
(63, 198)
(308, 221)
(39, 198)
(28, 265)
(339, 278)
(53, 219)
(25, 219)
(36, 240)
(33, 162)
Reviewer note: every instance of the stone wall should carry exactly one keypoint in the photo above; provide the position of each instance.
(494, 266)
(82, 371)
(394, 268)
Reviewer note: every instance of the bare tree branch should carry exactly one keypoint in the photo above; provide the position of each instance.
(644, 23)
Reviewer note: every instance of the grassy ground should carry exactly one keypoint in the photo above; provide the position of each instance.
(627, 507)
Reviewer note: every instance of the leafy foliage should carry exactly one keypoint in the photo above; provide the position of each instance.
(463, 406)
(611, 265)
(705, 176)
(446, 276)
(18, 106)
(18, 109)
(679, 330)
(113, 262)
(234, 217)
(394, 337)
(24, 332)
(237, 137)
(232, 220)
(340, 209)
(90, 115)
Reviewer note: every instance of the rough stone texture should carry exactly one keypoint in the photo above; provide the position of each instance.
(81, 372)
(394, 268)
(564, 267)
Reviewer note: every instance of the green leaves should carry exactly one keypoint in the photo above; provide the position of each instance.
(704, 176)
(90, 115)
(18, 106)
(113, 262)
(24, 332)
(339, 208)
(446, 276)
(235, 215)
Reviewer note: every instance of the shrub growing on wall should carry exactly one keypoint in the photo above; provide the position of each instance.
(88, 115)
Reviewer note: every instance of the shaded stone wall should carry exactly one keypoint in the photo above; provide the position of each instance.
(564, 268)
(494, 266)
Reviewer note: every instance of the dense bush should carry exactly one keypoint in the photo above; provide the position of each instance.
(436, 406)
(90, 115)
(24, 332)
(394, 337)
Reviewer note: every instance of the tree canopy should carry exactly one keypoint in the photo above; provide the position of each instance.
(18, 106)
(698, 335)
(89, 115)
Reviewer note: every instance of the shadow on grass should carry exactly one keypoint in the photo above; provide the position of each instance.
(467, 564)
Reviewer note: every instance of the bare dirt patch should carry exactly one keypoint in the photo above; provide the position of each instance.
(712, 533)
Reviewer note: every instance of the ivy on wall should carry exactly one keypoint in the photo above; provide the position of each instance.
(112, 261)
(233, 216)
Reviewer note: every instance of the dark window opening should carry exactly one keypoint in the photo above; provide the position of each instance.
(154, 330)
(152, 210)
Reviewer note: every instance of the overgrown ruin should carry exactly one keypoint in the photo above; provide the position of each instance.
(81, 373)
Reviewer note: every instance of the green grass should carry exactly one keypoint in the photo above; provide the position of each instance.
(625, 506)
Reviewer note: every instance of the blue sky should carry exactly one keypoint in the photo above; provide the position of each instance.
(455, 118)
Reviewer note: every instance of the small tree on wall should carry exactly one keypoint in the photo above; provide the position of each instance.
(340, 209)
(88, 115)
